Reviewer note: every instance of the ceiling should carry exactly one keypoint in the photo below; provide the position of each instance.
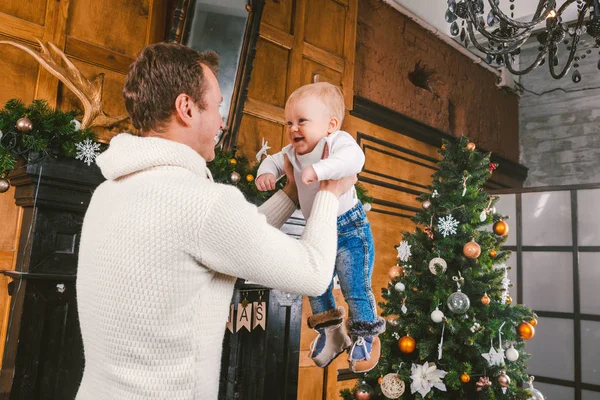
(433, 11)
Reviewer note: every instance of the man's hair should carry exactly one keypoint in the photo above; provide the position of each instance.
(329, 94)
(159, 74)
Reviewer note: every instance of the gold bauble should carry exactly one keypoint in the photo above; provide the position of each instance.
(407, 344)
(232, 161)
(4, 185)
(526, 330)
(249, 177)
(493, 253)
(533, 322)
(465, 378)
(472, 249)
(485, 300)
(508, 299)
(24, 125)
(471, 146)
(379, 380)
(395, 272)
(501, 228)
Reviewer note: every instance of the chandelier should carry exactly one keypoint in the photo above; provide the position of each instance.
(502, 35)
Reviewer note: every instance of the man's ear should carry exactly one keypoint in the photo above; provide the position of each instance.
(184, 107)
(334, 125)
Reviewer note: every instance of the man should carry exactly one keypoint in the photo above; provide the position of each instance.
(162, 244)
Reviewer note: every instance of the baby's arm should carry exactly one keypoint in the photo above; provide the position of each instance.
(270, 170)
(345, 159)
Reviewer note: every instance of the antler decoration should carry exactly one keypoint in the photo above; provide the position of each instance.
(89, 92)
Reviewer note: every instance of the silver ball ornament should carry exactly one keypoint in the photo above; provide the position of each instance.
(400, 287)
(503, 380)
(426, 204)
(458, 302)
(437, 316)
(512, 354)
(535, 394)
(24, 125)
(4, 185)
(235, 177)
(367, 206)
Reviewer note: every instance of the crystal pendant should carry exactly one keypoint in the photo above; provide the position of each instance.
(450, 16)
(489, 60)
(463, 34)
(452, 5)
(454, 29)
(555, 61)
(576, 76)
(491, 18)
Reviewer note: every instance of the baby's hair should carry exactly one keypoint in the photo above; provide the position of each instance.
(329, 94)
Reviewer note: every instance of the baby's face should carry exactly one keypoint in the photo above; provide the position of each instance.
(307, 122)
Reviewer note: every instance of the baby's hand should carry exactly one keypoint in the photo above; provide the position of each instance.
(309, 175)
(266, 182)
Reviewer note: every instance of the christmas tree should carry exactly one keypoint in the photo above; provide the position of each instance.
(452, 332)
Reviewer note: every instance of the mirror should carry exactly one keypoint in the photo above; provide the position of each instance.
(229, 27)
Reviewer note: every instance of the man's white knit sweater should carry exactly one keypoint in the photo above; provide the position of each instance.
(161, 244)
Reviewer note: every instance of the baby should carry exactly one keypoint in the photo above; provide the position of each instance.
(314, 114)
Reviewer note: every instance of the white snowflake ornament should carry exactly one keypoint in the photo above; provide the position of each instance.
(447, 225)
(87, 151)
(403, 251)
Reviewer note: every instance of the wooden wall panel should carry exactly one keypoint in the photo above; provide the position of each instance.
(254, 128)
(19, 72)
(32, 11)
(325, 23)
(268, 82)
(9, 242)
(119, 26)
(279, 15)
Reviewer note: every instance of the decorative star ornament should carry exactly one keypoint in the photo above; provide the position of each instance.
(494, 357)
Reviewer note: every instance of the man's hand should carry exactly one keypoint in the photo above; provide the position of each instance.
(266, 182)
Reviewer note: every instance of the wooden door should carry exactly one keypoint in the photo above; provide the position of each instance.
(301, 41)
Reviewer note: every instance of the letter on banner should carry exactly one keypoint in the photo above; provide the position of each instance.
(260, 315)
(244, 316)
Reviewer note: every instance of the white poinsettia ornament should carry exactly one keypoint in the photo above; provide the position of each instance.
(425, 377)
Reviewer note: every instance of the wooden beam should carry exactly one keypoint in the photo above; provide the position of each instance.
(276, 36)
(57, 13)
(20, 29)
(264, 110)
(95, 55)
(350, 53)
(323, 57)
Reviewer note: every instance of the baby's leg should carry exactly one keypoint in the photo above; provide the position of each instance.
(354, 266)
(328, 321)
